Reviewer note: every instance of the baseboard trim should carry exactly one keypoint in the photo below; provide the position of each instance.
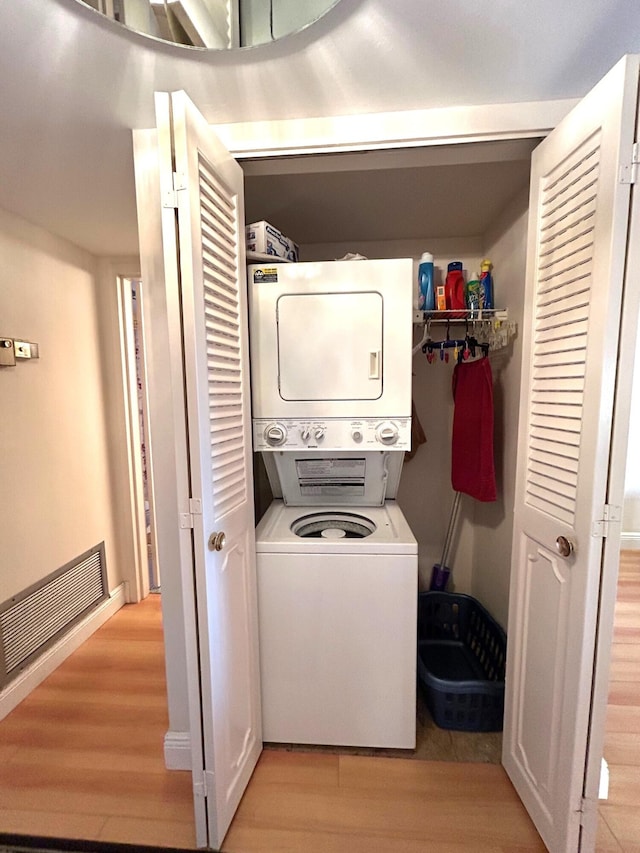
(630, 541)
(35, 674)
(177, 751)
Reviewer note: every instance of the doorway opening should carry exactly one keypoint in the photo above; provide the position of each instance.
(147, 574)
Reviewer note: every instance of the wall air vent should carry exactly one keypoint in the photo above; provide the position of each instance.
(35, 618)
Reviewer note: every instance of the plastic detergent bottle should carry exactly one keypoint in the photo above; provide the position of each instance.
(426, 291)
(486, 285)
(472, 293)
(454, 287)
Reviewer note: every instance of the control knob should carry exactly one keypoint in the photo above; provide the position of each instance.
(305, 433)
(319, 433)
(275, 434)
(356, 435)
(387, 433)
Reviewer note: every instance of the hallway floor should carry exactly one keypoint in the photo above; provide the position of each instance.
(619, 825)
(82, 757)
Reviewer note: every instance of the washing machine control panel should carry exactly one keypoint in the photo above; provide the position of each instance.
(332, 434)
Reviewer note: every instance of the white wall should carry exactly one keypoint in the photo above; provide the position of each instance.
(77, 83)
(506, 246)
(54, 466)
(631, 513)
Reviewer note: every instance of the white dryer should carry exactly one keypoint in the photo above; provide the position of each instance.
(337, 598)
(331, 339)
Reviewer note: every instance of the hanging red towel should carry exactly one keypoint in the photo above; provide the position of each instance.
(472, 467)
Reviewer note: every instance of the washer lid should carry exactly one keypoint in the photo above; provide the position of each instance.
(390, 533)
(333, 525)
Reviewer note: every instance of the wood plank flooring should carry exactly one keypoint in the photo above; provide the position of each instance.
(302, 803)
(81, 757)
(619, 824)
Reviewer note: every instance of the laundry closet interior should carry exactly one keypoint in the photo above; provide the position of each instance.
(461, 202)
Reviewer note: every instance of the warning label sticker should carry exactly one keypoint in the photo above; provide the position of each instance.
(265, 274)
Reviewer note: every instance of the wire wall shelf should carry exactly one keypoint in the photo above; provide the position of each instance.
(487, 326)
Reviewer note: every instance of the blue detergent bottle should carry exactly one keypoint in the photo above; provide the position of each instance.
(486, 285)
(426, 289)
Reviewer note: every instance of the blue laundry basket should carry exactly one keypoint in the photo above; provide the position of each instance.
(461, 662)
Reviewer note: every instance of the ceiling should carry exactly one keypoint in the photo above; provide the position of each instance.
(447, 191)
(73, 85)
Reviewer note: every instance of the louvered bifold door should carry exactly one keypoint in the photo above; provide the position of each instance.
(218, 212)
(559, 345)
(578, 225)
(216, 365)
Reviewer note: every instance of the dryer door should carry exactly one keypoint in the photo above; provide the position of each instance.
(330, 346)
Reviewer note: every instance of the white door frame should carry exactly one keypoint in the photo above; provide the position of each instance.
(450, 126)
(380, 131)
(629, 342)
(358, 134)
(271, 139)
(138, 571)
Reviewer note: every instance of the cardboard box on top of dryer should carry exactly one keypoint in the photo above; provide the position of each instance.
(264, 238)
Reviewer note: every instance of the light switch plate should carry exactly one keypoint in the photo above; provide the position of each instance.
(25, 349)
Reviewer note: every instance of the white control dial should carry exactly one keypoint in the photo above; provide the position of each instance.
(387, 433)
(319, 433)
(275, 434)
(356, 435)
(305, 433)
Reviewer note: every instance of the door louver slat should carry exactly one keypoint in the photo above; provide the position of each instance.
(563, 287)
(222, 323)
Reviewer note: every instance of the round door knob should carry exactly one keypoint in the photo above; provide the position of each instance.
(564, 546)
(216, 541)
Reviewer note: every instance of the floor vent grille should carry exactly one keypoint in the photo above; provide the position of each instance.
(37, 617)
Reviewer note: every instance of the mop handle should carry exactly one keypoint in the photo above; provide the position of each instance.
(449, 535)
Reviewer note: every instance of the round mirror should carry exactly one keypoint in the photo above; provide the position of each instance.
(214, 24)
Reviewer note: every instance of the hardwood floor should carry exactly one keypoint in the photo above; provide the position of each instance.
(619, 825)
(81, 757)
(302, 803)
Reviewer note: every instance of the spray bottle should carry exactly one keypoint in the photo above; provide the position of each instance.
(472, 293)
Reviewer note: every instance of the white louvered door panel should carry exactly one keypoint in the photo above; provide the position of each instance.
(559, 344)
(216, 364)
(578, 227)
(223, 337)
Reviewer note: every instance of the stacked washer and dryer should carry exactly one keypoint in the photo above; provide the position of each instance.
(336, 560)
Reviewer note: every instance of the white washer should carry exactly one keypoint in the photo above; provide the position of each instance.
(337, 611)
